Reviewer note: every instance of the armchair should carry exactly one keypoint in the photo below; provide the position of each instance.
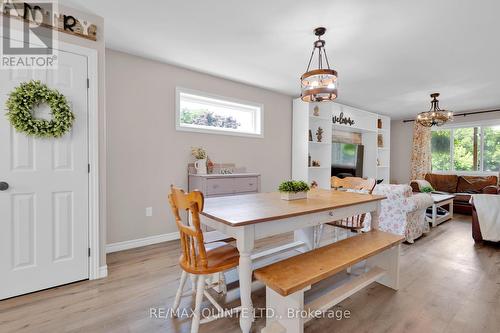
(403, 212)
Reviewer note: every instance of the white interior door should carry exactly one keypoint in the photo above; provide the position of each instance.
(44, 212)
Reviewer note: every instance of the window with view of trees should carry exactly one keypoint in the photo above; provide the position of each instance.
(474, 148)
(202, 112)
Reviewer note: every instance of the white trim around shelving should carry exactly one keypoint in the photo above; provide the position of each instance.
(131, 244)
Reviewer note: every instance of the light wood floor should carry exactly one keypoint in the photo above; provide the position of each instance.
(448, 284)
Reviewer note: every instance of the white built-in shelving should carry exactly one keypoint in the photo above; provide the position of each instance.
(376, 159)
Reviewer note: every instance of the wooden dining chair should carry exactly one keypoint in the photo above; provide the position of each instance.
(353, 223)
(198, 258)
(363, 185)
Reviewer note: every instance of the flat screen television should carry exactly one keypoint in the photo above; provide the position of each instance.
(347, 159)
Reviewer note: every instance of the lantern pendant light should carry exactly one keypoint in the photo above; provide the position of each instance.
(435, 116)
(319, 85)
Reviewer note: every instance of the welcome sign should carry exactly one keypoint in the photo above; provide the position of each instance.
(38, 14)
(341, 119)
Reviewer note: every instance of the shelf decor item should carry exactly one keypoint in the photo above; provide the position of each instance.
(210, 165)
(26, 97)
(315, 163)
(380, 141)
(319, 134)
(293, 189)
(201, 160)
(310, 136)
(319, 85)
(316, 111)
(379, 123)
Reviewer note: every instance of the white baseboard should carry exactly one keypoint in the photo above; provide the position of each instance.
(130, 244)
(103, 271)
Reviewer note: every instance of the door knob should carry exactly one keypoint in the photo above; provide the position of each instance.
(4, 186)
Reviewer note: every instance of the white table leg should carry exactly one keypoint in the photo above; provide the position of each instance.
(245, 244)
(305, 235)
(451, 209)
(434, 215)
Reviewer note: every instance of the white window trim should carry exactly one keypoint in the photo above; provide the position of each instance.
(452, 127)
(178, 127)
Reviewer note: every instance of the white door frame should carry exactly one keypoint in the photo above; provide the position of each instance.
(93, 146)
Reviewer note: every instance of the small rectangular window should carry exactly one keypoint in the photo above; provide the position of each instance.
(206, 113)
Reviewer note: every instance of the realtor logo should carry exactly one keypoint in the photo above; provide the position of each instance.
(28, 40)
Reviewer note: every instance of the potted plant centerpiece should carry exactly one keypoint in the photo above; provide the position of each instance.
(201, 160)
(293, 189)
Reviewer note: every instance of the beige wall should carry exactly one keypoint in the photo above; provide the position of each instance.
(401, 144)
(146, 154)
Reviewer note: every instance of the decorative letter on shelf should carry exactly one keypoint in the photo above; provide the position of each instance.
(341, 120)
(48, 18)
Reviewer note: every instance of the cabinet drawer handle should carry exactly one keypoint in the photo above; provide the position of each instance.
(250, 184)
(215, 186)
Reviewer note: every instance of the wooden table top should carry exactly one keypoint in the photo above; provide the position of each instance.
(261, 207)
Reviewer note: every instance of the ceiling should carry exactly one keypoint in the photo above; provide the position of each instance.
(390, 55)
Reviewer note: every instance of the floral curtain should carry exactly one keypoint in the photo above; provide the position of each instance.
(421, 154)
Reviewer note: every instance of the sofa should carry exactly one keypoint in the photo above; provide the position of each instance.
(403, 212)
(462, 187)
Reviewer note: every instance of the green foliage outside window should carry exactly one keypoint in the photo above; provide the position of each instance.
(463, 140)
(466, 143)
(207, 118)
(491, 149)
(440, 146)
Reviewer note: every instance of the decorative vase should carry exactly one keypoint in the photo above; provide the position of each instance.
(201, 166)
(319, 134)
(210, 166)
(293, 195)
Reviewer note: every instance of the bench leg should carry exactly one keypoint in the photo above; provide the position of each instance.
(287, 312)
(389, 261)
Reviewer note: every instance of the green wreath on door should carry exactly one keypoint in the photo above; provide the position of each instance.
(29, 95)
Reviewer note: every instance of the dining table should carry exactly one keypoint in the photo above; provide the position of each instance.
(251, 217)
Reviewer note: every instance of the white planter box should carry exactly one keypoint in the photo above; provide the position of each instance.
(293, 196)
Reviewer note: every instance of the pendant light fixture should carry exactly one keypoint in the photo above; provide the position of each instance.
(435, 116)
(319, 85)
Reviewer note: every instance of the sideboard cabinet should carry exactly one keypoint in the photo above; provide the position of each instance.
(215, 185)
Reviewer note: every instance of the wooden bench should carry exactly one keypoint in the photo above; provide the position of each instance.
(287, 280)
